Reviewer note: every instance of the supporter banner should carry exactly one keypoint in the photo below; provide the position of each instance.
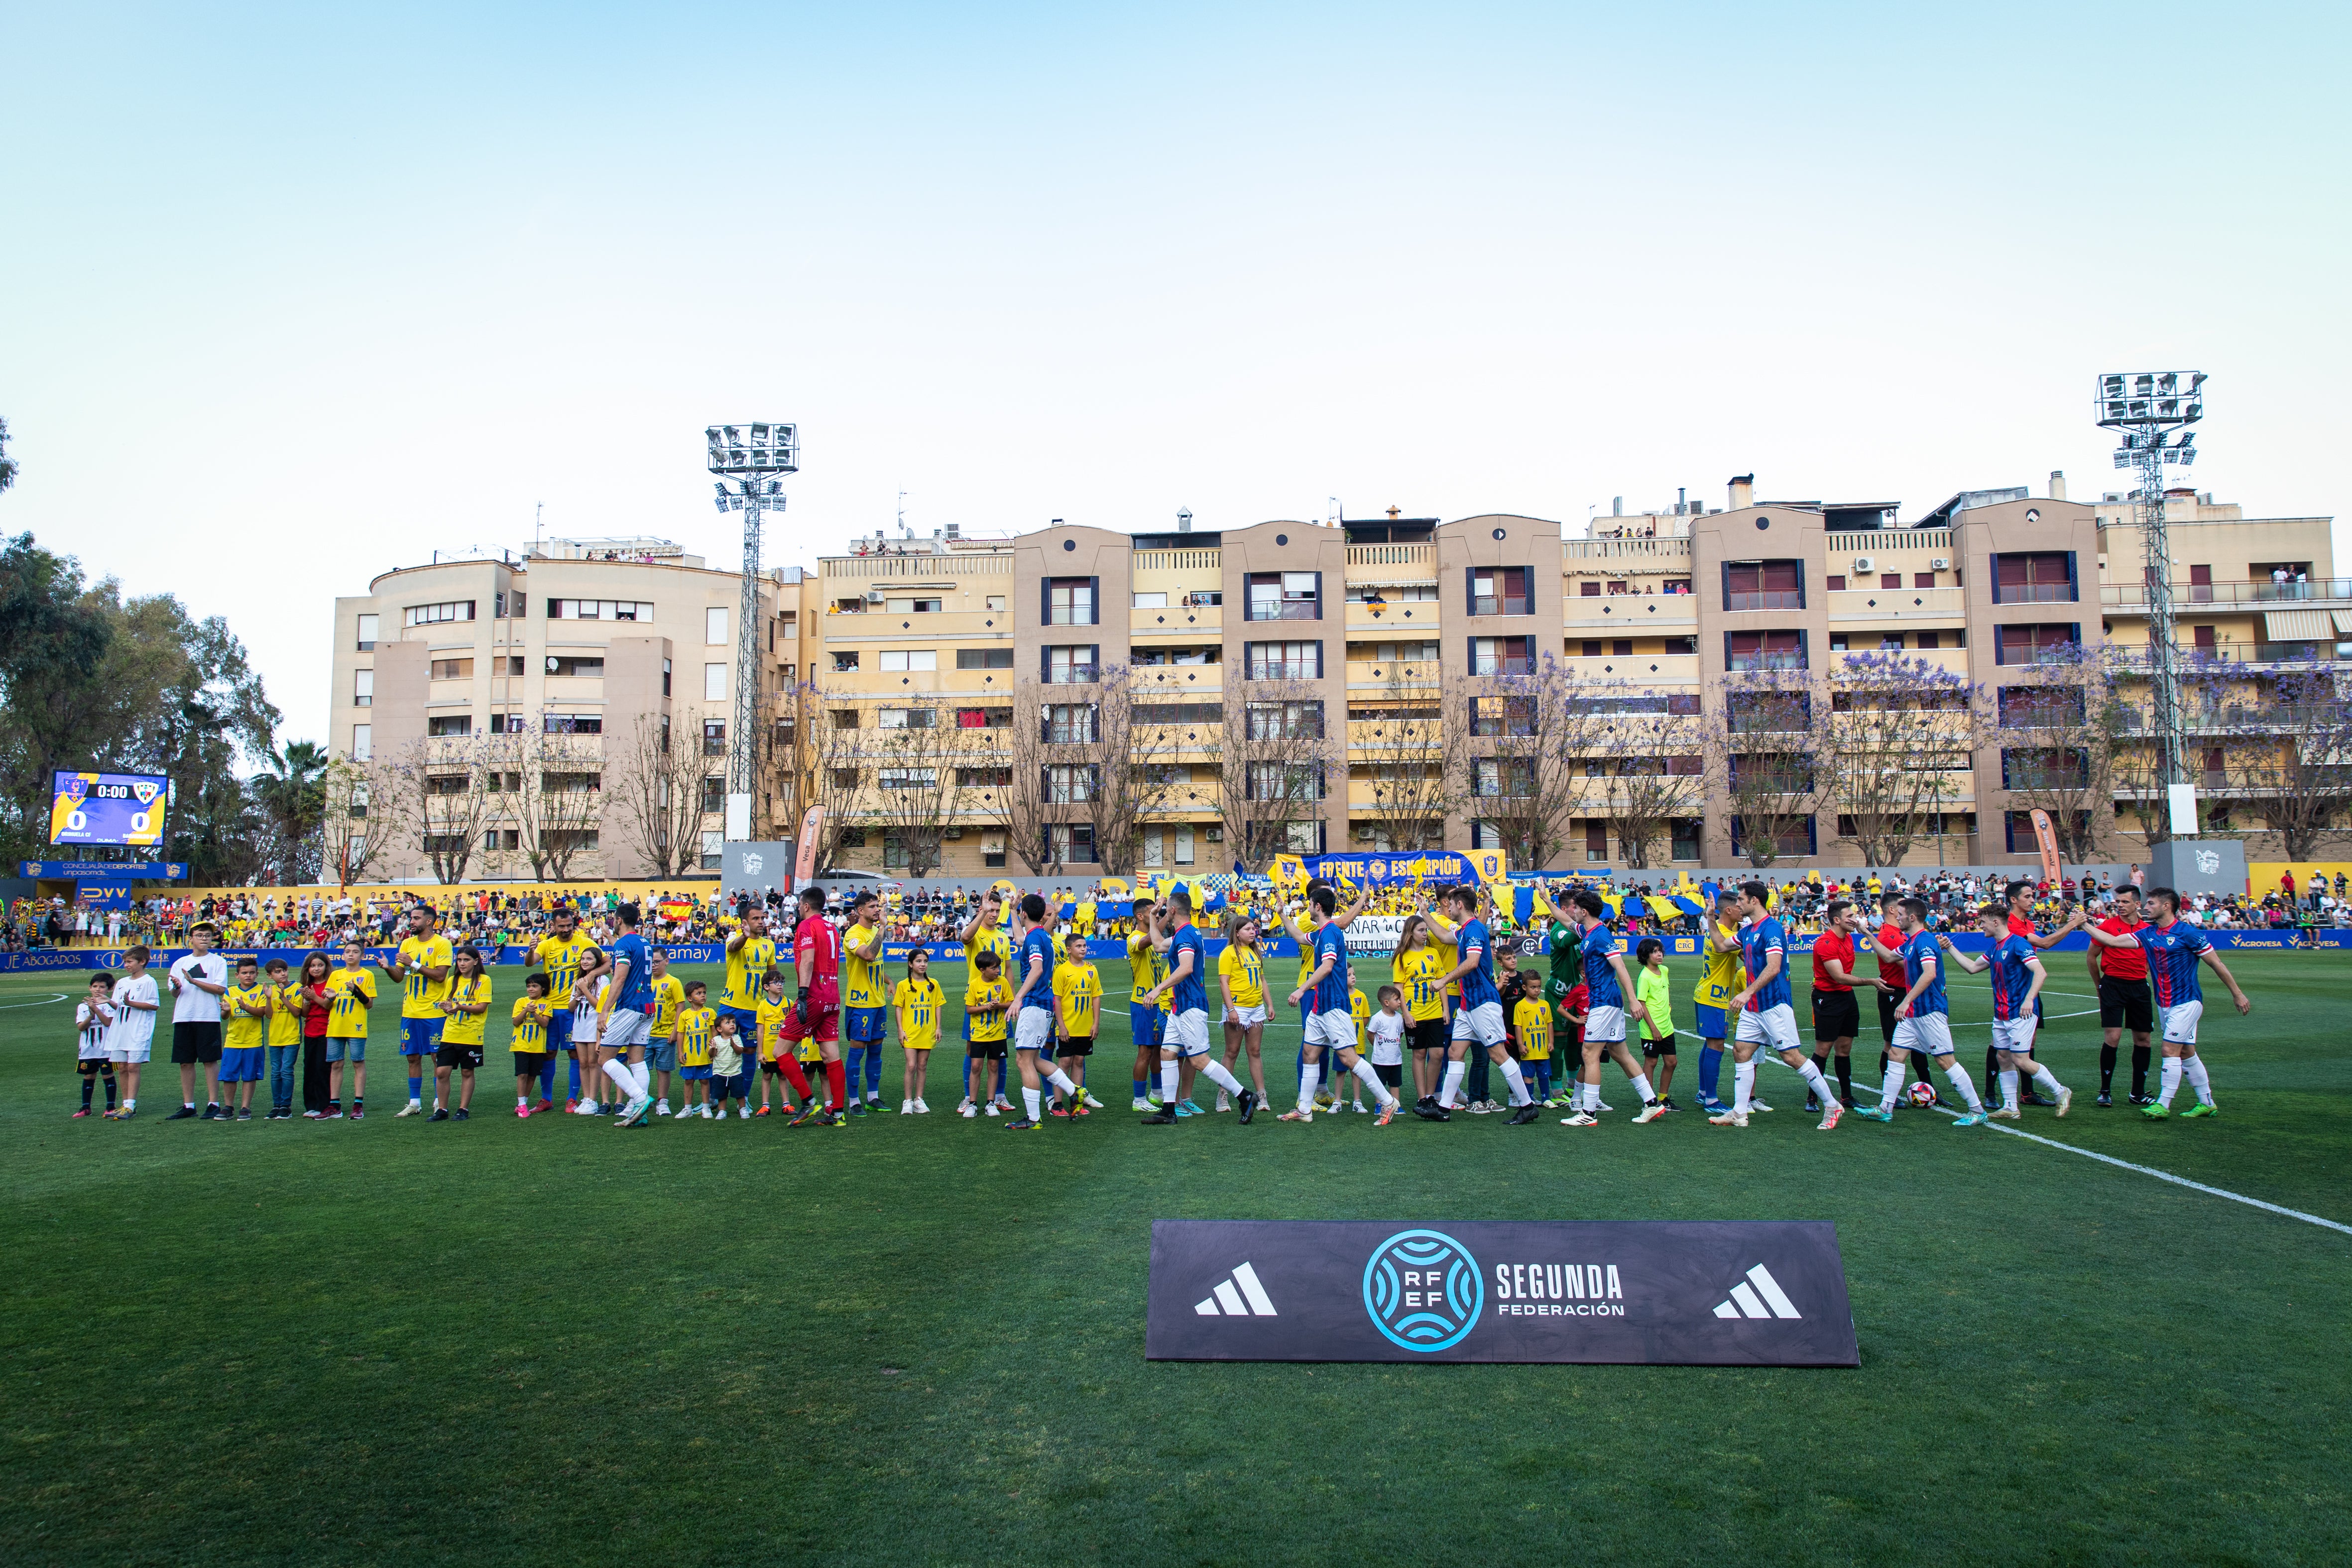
(160, 958)
(1375, 934)
(1380, 871)
(1705, 1293)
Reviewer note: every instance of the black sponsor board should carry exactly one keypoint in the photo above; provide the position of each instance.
(1702, 1293)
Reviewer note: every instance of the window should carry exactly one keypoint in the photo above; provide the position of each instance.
(845, 663)
(433, 615)
(2037, 577)
(514, 666)
(1685, 838)
(1621, 648)
(714, 683)
(367, 629)
(991, 850)
(666, 678)
(1284, 660)
(444, 843)
(1497, 776)
(1685, 646)
(1768, 712)
(453, 670)
(1070, 724)
(571, 723)
(915, 605)
(570, 783)
(558, 839)
(447, 784)
(842, 718)
(450, 724)
(714, 625)
(906, 719)
(983, 718)
(1791, 840)
(1285, 781)
(984, 658)
(1286, 720)
(1590, 648)
(1929, 642)
(2053, 643)
(1284, 596)
(2200, 584)
(1763, 585)
(1588, 590)
(508, 724)
(1391, 593)
(1069, 784)
(1500, 591)
(2052, 768)
(985, 778)
(896, 659)
(566, 665)
(497, 838)
(1890, 642)
(1834, 585)
(364, 688)
(1179, 713)
(362, 742)
(1502, 656)
(1073, 842)
(1070, 601)
(1151, 601)
(603, 610)
(1502, 715)
(1923, 579)
(1764, 650)
(714, 848)
(1890, 579)
(904, 779)
(1069, 666)
(1204, 599)
(995, 601)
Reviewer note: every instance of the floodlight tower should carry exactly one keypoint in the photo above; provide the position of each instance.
(753, 456)
(2153, 410)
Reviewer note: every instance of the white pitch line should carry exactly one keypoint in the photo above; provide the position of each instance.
(44, 1001)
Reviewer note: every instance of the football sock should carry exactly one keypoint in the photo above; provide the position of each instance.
(1959, 1077)
(1138, 1084)
(1710, 1070)
(2193, 1067)
(1307, 1076)
(1064, 1082)
(2045, 1080)
(2107, 1055)
(2171, 1084)
(1743, 1085)
(1030, 1099)
(618, 1071)
(1891, 1088)
(1370, 1080)
(854, 1069)
(836, 1080)
(574, 1062)
(1640, 1082)
(87, 1081)
(2009, 1088)
(547, 1081)
(1992, 1064)
(1819, 1085)
(873, 1071)
(789, 1064)
(109, 1088)
(1216, 1073)
(1455, 1072)
(1821, 1062)
(1845, 1077)
(415, 1087)
(1543, 1080)
(1512, 1076)
(1883, 1060)
(2141, 1056)
(1168, 1080)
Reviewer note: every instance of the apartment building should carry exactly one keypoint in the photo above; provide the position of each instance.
(1309, 661)
(561, 712)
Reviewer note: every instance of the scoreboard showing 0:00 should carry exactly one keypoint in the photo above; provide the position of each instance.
(124, 809)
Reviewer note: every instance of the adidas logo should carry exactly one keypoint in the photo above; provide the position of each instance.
(1766, 1300)
(1242, 1296)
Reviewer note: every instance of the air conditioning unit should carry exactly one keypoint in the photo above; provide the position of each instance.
(1216, 836)
(951, 834)
(1941, 563)
(1364, 835)
(875, 597)
(1864, 563)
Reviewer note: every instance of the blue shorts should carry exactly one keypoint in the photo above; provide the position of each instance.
(420, 1037)
(558, 1030)
(747, 1021)
(694, 1075)
(342, 1049)
(1144, 1023)
(866, 1024)
(1709, 1024)
(241, 1066)
(662, 1055)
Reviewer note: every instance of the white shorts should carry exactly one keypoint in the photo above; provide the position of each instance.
(1775, 1026)
(1246, 1018)
(1034, 1031)
(1928, 1032)
(625, 1028)
(1605, 1027)
(1483, 1024)
(2180, 1022)
(1188, 1031)
(2014, 1036)
(1335, 1028)
(131, 1052)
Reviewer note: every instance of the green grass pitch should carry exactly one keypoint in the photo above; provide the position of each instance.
(920, 1340)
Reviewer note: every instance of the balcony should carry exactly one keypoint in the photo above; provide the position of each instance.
(1419, 613)
(1281, 670)
(1675, 550)
(1642, 667)
(1794, 659)
(2034, 594)
(1284, 610)
(1380, 673)
(1176, 620)
(1073, 674)
(1502, 605)
(1881, 605)
(2133, 596)
(1952, 660)
(2248, 653)
(1491, 666)
(1669, 613)
(1768, 599)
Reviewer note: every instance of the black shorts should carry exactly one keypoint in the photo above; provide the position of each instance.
(1432, 1034)
(1392, 1075)
(530, 1063)
(1836, 1016)
(1083, 1046)
(450, 1055)
(196, 1043)
(984, 1050)
(1886, 1019)
(1653, 1049)
(2125, 1004)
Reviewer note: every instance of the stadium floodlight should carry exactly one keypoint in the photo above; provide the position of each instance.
(2152, 410)
(752, 455)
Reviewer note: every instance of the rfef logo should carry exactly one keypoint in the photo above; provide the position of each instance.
(1423, 1290)
(753, 864)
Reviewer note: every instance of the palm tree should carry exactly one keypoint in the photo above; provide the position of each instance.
(292, 795)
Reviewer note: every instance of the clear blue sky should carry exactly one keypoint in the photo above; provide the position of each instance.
(294, 294)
